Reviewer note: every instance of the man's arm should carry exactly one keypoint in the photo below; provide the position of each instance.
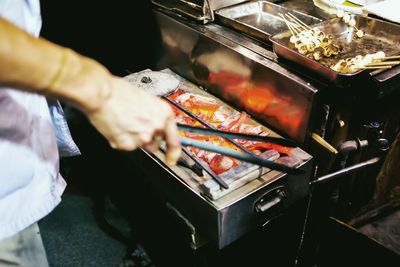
(127, 116)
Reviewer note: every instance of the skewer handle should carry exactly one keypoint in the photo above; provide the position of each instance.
(374, 67)
(383, 63)
(391, 57)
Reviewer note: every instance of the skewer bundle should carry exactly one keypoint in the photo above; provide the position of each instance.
(369, 61)
(310, 41)
(314, 43)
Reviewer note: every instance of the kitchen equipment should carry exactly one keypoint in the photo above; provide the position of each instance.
(255, 194)
(283, 96)
(259, 19)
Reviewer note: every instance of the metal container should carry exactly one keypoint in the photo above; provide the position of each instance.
(228, 218)
(198, 10)
(224, 215)
(259, 19)
(272, 93)
(379, 36)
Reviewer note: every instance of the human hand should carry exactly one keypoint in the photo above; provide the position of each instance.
(125, 115)
(129, 117)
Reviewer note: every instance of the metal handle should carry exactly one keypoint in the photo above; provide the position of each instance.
(270, 199)
(384, 75)
(345, 171)
(177, 10)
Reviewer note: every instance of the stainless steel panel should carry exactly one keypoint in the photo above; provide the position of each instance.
(227, 219)
(259, 19)
(240, 76)
(198, 10)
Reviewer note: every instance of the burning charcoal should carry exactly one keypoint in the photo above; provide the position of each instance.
(299, 154)
(270, 154)
(289, 161)
(220, 164)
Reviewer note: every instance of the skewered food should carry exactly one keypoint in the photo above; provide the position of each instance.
(311, 42)
(351, 65)
(351, 22)
(360, 33)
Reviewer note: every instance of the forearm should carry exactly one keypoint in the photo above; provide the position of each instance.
(34, 64)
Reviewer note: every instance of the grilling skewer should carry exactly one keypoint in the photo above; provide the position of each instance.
(293, 17)
(391, 57)
(383, 63)
(310, 41)
(369, 61)
(373, 67)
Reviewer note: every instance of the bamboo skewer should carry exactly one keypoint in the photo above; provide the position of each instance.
(373, 67)
(299, 21)
(391, 57)
(383, 63)
(294, 33)
(296, 24)
(295, 27)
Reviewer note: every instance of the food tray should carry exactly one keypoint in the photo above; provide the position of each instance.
(379, 36)
(259, 19)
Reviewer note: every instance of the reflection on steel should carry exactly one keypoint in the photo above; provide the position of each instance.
(240, 76)
(198, 10)
(224, 220)
(259, 19)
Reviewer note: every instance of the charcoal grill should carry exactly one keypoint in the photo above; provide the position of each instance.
(288, 100)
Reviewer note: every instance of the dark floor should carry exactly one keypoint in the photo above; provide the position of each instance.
(73, 238)
(385, 230)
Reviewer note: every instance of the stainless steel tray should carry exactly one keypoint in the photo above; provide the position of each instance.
(259, 19)
(379, 36)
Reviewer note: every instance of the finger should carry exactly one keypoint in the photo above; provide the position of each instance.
(145, 139)
(173, 142)
(124, 143)
(155, 143)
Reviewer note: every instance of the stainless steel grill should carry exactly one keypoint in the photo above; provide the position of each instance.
(255, 195)
(235, 67)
